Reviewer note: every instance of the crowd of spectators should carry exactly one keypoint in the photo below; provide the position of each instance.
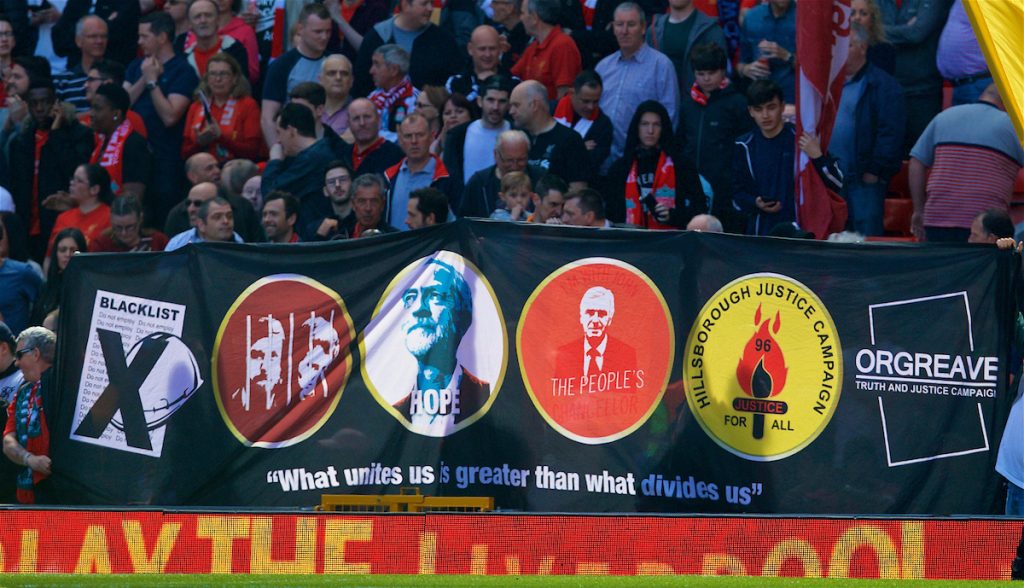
(146, 125)
(129, 120)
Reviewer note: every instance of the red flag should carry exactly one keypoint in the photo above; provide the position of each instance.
(823, 41)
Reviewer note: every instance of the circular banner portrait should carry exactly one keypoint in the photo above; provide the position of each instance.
(595, 347)
(434, 353)
(281, 360)
(763, 367)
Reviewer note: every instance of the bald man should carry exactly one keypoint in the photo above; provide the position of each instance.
(336, 78)
(556, 148)
(369, 153)
(484, 50)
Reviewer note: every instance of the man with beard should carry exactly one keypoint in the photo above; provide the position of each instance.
(467, 148)
(339, 223)
(438, 310)
(596, 353)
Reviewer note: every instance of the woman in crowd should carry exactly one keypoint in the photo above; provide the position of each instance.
(26, 435)
(223, 120)
(67, 243)
(430, 103)
(457, 110)
(126, 232)
(652, 185)
(881, 53)
(120, 150)
(91, 196)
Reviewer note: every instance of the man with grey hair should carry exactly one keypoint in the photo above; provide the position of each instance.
(368, 199)
(435, 56)
(705, 223)
(437, 313)
(393, 94)
(91, 35)
(26, 435)
(596, 352)
(556, 148)
(511, 153)
(552, 58)
(633, 74)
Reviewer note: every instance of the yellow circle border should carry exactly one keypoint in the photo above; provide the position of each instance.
(216, 354)
(522, 367)
(839, 369)
(504, 346)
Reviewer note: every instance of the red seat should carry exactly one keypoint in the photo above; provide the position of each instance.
(896, 221)
(899, 185)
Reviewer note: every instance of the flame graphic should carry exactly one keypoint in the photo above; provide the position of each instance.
(762, 368)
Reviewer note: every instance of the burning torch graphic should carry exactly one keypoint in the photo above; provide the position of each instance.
(762, 373)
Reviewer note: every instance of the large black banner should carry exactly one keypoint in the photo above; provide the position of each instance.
(554, 368)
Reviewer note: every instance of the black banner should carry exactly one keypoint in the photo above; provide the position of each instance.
(554, 368)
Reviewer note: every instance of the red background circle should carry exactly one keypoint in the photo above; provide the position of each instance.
(283, 423)
(552, 321)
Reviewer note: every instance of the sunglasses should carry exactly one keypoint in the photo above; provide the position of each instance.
(22, 352)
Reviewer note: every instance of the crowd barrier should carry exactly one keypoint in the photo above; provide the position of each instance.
(173, 542)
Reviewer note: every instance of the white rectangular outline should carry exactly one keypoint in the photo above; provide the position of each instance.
(881, 407)
(962, 293)
(888, 455)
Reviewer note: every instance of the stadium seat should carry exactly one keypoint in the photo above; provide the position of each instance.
(899, 185)
(896, 221)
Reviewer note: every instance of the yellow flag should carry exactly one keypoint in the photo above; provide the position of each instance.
(999, 26)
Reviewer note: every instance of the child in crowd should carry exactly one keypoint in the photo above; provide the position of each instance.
(516, 192)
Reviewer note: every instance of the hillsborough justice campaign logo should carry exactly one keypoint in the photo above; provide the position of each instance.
(434, 353)
(763, 367)
(595, 345)
(281, 360)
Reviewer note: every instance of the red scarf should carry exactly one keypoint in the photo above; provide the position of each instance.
(700, 97)
(35, 228)
(385, 99)
(664, 191)
(589, 9)
(565, 114)
(111, 157)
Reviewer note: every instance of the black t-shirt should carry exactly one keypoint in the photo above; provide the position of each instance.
(138, 161)
(561, 151)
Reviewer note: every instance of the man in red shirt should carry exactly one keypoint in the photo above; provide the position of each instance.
(202, 16)
(552, 58)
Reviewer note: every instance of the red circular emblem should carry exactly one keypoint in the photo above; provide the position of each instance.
(595, 349)
(281, 360)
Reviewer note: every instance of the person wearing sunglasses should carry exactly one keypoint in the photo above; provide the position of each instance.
(26, 435)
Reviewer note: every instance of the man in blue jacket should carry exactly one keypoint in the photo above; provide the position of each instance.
(868, 135)
(763, 162)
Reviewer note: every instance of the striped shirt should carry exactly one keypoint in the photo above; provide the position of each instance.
(974, 157)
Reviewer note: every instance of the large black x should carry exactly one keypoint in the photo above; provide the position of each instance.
(122, 393)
